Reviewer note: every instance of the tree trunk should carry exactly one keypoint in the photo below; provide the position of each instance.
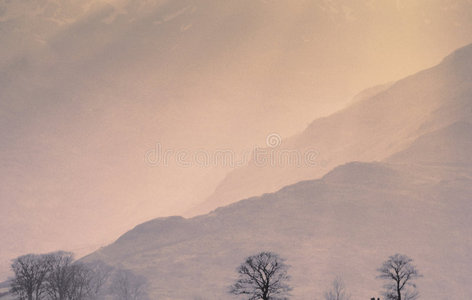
(264, 295)
(399, 291)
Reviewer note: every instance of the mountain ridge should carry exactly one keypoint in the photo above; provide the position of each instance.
(88, 87)
(372, 129)
(413, 199)
(209, 247)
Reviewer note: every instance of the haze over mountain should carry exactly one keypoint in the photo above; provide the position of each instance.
(370, 129)
(345, 224)
(87, 88)
(414, 201)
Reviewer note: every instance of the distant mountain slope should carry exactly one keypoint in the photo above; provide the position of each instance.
(88, 87)
(451, 145)
(371, 129)
(343, 224)
(4, 290)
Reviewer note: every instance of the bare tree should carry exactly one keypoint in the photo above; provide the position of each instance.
(56, 276)
(30, 275)
(262, 276)
(61, 276)
(80, 281)
(126, 285)
(69, 279)
(98, 276)
(400, 274)
(337, 291)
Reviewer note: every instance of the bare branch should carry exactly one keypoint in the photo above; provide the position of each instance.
(262, 276)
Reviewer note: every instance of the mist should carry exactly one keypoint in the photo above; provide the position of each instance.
(89, 88)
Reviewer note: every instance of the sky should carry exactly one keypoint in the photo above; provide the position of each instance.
(91, 91)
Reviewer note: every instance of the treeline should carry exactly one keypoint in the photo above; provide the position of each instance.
(58, 276)
(264, 276)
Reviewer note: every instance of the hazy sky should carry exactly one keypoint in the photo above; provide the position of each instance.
(87, 88)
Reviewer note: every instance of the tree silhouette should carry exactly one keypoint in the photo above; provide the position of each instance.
(400, 273)
(262, 276)
(126, 285)
(30, 274)
(337, 291)
(57, 276)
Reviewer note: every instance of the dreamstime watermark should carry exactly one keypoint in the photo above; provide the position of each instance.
(273, 140)
(273, 155)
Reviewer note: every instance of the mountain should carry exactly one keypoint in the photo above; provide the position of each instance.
(448, 146)
(410, 195)
(89, 87)
(372, 128)
(4, 289)
(344, 224)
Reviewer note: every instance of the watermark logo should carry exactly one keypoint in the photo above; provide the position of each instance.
(273, 155)
(273, 140)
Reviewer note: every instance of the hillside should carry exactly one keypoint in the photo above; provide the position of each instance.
(373, 128)
(344, 224)
(448, 146)
(89, 87)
